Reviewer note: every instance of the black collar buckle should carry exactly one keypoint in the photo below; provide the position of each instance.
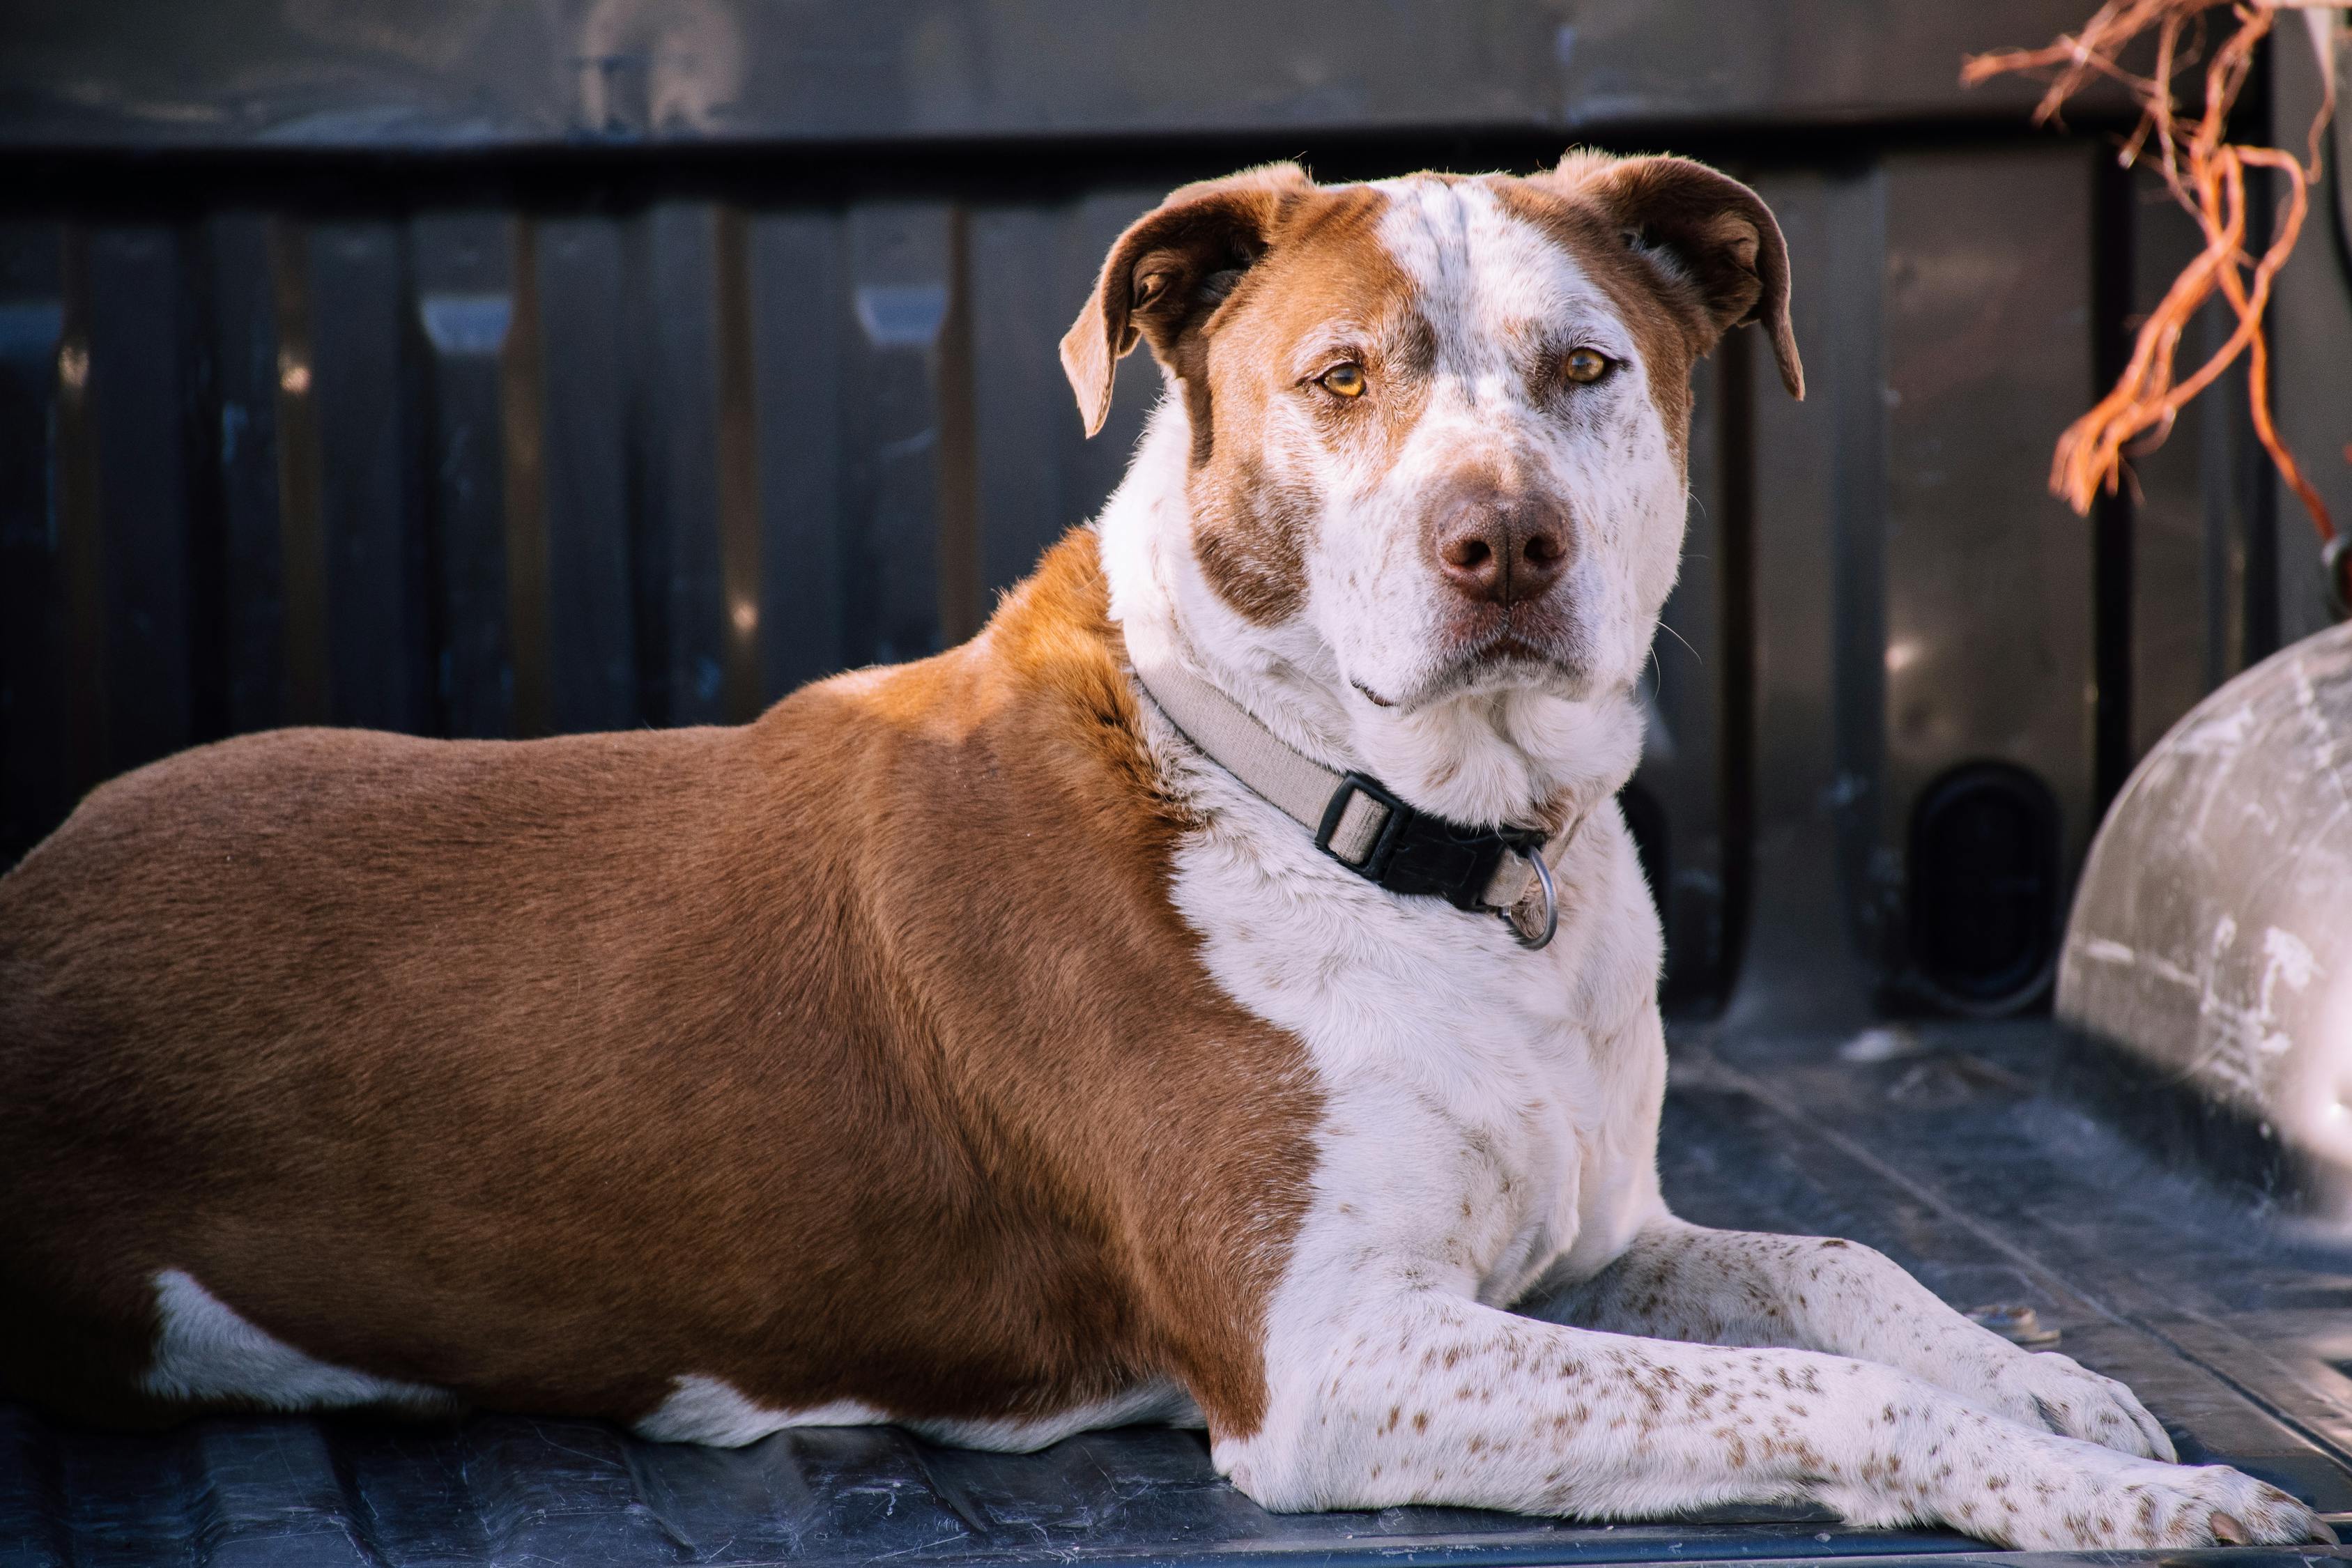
(1420, 854)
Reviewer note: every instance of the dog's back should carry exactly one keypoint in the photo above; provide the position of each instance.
(544, 1074)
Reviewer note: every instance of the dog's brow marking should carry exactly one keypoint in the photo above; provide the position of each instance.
(1488, 279)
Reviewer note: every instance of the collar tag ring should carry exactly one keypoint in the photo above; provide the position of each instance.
(1540, 937)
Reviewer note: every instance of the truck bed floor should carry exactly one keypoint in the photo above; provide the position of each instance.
(1951, 1155)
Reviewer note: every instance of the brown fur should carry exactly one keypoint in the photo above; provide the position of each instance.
(1323, 269)
(1724, 261)
(1224, 279)
(546, 1072)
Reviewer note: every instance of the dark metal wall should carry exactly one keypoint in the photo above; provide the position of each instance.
(476, 369)
(477, 472)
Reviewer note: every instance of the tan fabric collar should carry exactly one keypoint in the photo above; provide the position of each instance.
(1361, 824)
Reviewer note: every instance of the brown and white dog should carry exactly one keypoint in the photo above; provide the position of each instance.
(958, 1046)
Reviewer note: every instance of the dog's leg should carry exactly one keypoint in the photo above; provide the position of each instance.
(1680, 1282)
(1419, 1397)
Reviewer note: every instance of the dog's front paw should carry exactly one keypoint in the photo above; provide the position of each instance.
(2055, 1392)
(2146, 1506)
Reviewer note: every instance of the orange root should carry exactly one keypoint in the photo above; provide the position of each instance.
(2207, 176)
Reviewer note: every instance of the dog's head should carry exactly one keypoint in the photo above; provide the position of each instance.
(1441, 421)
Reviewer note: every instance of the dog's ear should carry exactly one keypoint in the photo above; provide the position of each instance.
(1169, 271)
(1701, 232)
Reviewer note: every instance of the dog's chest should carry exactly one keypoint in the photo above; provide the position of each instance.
(1487, 1110)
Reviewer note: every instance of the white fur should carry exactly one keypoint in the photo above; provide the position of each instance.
(204, 1351)
(706, 1410)
(1477, 748)
(1155, 1403)
(1491, 1114)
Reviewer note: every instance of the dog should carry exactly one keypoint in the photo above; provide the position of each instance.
(1214, 994)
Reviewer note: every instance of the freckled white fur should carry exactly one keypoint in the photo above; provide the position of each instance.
(1491, 1115)
(706, 1410)
(205, 1351)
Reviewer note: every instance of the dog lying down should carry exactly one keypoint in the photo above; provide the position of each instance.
(1216, 994)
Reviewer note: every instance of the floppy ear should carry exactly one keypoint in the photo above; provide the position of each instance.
(1700, 231)
(1169, 271)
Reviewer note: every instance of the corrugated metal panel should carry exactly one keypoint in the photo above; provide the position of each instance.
(495, 447)
(477, 473)
(474, 73)
(647, 409)
(1922, 605)
(1987, 580)
(36, 782)
(1816, 494)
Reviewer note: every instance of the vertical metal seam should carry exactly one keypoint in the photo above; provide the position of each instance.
(420, 529)
(743, 683)
(522, 383)
(81, 548)
(958, 474)
(2265, 585)
(2219, 416)
(2114, 520)
(1859, 501)
(309, 677)
(205, 506)
(645, 474)
(1734, 610)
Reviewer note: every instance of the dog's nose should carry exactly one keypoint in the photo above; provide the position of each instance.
(1500, 550)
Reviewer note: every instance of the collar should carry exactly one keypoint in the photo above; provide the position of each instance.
(1362, 823)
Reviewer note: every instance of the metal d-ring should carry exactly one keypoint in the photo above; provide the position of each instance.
(1550, 905)
(2336, 569)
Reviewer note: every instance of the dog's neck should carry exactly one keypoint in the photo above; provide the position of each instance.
(1523, 757)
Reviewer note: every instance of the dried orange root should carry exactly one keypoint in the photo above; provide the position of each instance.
(2207, 176)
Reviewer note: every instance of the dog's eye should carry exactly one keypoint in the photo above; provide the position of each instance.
(1343, 380)
(1585, 366)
